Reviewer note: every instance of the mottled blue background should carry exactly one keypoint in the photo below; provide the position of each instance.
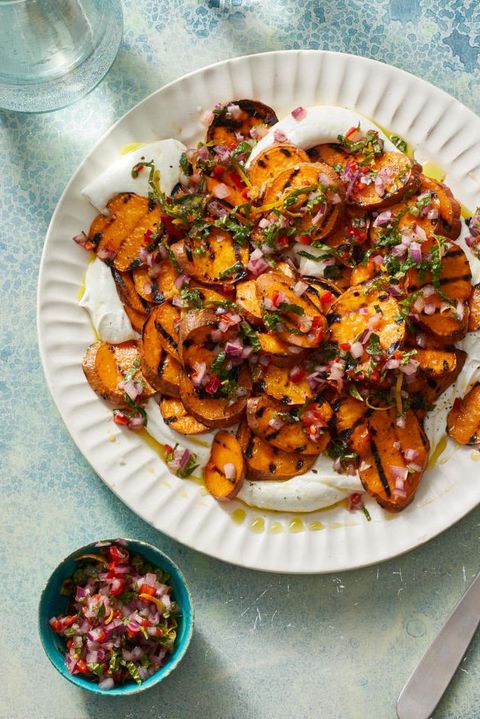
(265, 646)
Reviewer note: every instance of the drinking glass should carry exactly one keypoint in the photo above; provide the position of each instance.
(52, 52)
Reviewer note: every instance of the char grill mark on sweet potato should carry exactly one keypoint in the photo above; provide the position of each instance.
(463, 421)
(436, 362)
(277, 383)
(291, 437)
(128, 212)
(329, 153)
(160, 329)
(128, 257)
(224, 129)
(426, 389)
(449, 207)
(215, 413)
(266, 462)
(106, 366)
(127, 291)
(160, 369)
(274, 160)
(216, 259)
(175, 415)
(351, 314)
(385, 451)
(405, 178)
(225, 450)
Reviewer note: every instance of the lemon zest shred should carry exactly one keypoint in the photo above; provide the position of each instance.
(398, 393)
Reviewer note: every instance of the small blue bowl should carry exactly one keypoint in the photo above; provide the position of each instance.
(52, 603)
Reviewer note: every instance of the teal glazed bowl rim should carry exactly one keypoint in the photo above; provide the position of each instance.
(53, 603)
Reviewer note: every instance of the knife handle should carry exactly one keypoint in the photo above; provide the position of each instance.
(429, 680)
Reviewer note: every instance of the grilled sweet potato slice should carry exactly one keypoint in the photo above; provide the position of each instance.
(330, 154)
(137, 319)
(436, 362)
(474, 304)
(247, 300)
(175, 414)
(425, 389)
(290, 191)
(106, 366)
(352, 313)
(127, 291)
(273, 160)
(217, 259)
(350, 422)
(161, 370)
(235, 198)
(226, 451)
(277, 383)
(463, 421)
(128, 256)
(280, 353)
(385, 472)
(449, 207)
(160, 331)
(322, 293)
(215, 413)
(304, 325)
(228, 125)
(291, 436)
(195, 338)
(399, 173)
(264, 461)
(127, 211)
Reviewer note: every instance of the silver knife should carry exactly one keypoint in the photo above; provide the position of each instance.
(427, 684)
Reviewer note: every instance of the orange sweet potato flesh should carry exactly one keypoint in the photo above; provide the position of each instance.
(225, 450)
(405, 178)
(291, 437)
(449, 207)
(127, 211)
(105, 367)
(463, 421)
(330, 154)
(276, 382)
(175, 415)
(301, 176)
(474, 316)
(280, 353)
(376, 473)
(128, 256)
(161, 370)
(215, 413)
(234, 198)
(350, 315)
(222, 260)
(265, 462)
(149, 288)
(160, 331)
(426, 388)
(137, 319)
(350, 422)
(322, 293)
(436, 362)
(127, 291)
(273, 160)
(225, 128)
(248, 302)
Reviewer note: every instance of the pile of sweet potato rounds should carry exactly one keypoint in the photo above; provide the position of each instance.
(231, 335)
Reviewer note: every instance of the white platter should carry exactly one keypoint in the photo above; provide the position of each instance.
(333, 540)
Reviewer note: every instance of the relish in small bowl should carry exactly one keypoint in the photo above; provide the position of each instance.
(116, 616)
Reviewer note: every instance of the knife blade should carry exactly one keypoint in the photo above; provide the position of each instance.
(429, 680)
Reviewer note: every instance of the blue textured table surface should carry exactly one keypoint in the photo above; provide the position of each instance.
(265, 645)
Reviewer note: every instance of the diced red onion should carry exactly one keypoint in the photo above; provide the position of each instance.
(429, 309)
(320, 214)
(428, 290)
(365, 335)
(300, 287)
(392, 363)
(276, 423)
(410, 367)
(324, 179)
(177, 301)
(460, 309)
(221, 191)
(263, 224)
(401, 421)
(279, 135)
(394, 291)
(382, 218)
(432, 214)
(411, 454)
(200, 369)
(356, 349)
(181, 280)
(234, 111)
(398, 250)
(378, 260)
(299, 113)
(234, 349)
(414, 467)
(415, 252)
(229, 470)
(399, 473)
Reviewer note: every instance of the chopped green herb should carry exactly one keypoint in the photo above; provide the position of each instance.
(399, 143)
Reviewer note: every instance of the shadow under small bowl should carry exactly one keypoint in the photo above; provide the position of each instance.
(53, 603)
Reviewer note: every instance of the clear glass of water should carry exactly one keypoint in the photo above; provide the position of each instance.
(52, 52)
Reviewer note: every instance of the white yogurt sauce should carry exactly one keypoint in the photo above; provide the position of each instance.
(103, 304)
(118, 177)
(321, 124)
